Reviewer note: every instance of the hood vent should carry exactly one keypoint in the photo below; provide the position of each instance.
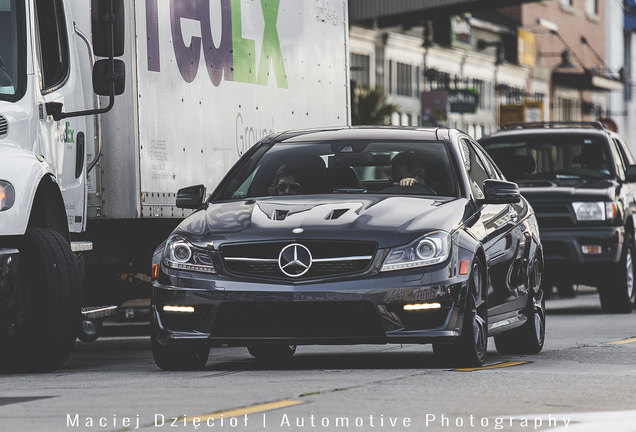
(335, 214)
(280, 214)
(4, 126)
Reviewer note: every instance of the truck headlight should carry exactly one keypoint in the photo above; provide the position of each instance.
(594, 211)
(181, 254)
(7, 195)
(433, 248)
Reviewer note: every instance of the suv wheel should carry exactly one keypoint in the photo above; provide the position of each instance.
(618, 293)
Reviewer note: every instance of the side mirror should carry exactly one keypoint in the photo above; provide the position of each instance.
(191, 197)
(630, 175)
(103, 15)
(500, 192)
(102, 77)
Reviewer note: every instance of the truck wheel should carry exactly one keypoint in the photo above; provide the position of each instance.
(180, 358)
(529, 338)
(40, 330)
(272, 352)
(89, 330)
(618, 293)
(469, 350)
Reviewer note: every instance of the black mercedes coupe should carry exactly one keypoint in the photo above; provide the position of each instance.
(353, 235)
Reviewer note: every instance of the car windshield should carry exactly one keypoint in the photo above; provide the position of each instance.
(351, 167)
(9, 53)
(553, 157)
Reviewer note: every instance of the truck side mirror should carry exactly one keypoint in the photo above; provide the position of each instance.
(102, 17)
(191, 197)
(102, 77)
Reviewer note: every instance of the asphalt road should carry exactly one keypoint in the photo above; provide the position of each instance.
(582, 381)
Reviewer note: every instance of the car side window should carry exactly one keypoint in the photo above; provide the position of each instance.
(475, 167)
(618, 160)
(491, 169)
(53, 44)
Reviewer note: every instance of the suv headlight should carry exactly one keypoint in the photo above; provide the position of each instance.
(7, 195)
(181, 254)
(594, 211)
(433, 248)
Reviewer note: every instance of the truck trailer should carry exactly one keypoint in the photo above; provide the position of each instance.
(107, 108)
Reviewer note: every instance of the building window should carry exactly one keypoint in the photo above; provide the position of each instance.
(404, 80)
(390, 76)
(591, 7)
(360, 69)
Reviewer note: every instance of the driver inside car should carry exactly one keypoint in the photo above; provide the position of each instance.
(407, 169)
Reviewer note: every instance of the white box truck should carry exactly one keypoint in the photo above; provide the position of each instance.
(107, 108)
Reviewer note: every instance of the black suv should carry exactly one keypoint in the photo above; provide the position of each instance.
(580, 178)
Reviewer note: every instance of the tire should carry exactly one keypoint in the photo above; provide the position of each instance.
(89, 330)
(39, 332)
(617, 293)
(530, 337)
(273, 352)
(567, 289)
(469, 350)
(180, 358)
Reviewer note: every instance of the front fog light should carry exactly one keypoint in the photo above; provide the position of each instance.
(422, 306)
(187, 309)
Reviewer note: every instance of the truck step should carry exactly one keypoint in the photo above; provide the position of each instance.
(96, 312)
(81, 246)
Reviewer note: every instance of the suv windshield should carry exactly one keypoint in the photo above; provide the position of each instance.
(350, 167)
(554, 157)
(10, 67)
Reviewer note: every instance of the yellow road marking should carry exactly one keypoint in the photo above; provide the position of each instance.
(247, 410)
(495, 366)
(624, 341)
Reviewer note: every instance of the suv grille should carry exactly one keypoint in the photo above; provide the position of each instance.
(328, 258)
(554, 215)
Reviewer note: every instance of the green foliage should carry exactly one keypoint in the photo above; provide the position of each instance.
(369, 107)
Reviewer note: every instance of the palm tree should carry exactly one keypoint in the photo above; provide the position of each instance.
(369, 106)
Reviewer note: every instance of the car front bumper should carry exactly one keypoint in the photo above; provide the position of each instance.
(368, 309)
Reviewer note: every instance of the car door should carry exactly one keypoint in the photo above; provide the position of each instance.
(504, 240)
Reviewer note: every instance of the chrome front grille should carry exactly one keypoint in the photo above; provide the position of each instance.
(328, 259)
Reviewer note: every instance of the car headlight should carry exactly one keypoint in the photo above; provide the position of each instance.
(594, 211)
(7, 195)
(180, 254)
(433, 248)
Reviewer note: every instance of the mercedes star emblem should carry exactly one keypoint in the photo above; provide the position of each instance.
(294, 260)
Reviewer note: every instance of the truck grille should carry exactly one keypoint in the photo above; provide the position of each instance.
(327, 258)
(4, 126)
(554, 215)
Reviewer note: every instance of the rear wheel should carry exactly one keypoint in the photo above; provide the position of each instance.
(180, 357)
(617, 293)
(39, 332)
(469, 350)
(272, 352)
(529, 338)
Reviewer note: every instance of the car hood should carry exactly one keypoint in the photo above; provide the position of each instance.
(567, 190)
(388, 221)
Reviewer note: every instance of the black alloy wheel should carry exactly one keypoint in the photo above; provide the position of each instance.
(469, 350)
(617, 293)
(530, 337)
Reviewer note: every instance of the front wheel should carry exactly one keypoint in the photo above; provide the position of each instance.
(529, 338)
(469, 350)
(179, 358)
(39, 331)
(617, 293)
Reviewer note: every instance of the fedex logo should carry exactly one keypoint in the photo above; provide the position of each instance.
(233, 57)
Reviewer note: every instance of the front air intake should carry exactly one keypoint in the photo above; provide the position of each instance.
(4, 126)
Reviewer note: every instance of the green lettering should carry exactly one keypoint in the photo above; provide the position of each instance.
(271, 52)
(244, 49)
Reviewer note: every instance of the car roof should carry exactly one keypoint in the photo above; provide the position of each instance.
(550, 128)
(361, 133)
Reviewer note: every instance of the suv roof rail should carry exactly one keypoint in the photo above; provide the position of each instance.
(553, 124)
